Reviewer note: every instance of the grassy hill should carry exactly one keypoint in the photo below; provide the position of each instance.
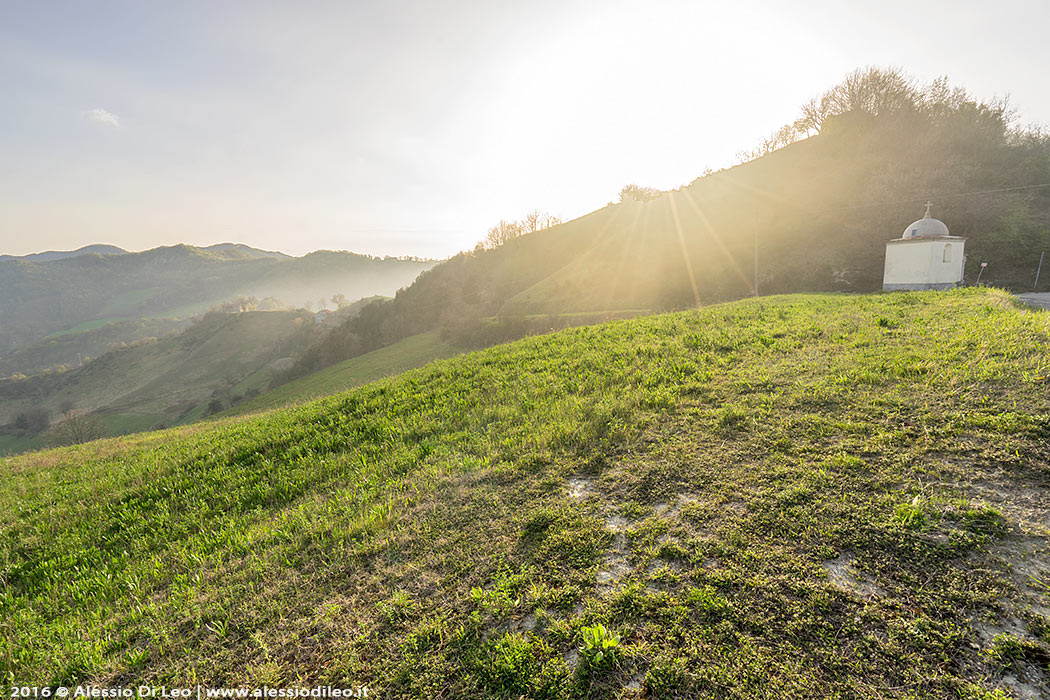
(801, 496)
(162, 380)
(406, 354)
(819, 203)
(71, 347)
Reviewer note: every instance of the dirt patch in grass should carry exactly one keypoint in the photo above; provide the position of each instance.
(580, 487)
(845, 577)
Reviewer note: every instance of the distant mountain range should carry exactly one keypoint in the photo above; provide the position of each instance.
(50, 296)
(245, 251)
(240, 249)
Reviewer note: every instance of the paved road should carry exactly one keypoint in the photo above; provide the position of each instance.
(1039, 300)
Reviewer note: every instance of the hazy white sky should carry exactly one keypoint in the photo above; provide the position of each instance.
(408, 128)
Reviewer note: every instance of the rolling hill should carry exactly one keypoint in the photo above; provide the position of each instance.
(96, 249)
(42, 300)
(805, 496)
(167, 380)
(403, 355)
(61, 351)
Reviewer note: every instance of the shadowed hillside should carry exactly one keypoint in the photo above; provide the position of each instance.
(403, 355)
(204, 369)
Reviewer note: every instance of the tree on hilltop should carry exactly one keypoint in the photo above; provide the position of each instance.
(881, 92)
(636, 193)
(505, 231)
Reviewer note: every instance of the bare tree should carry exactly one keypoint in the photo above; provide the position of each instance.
(501, 233)
(239, 305)
(504, 231)
(871, 90)
(77, 427)
(636, 193)
(537, 220)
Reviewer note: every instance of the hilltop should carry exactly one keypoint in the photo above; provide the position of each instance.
(804, 496)
(819, 200)
(94, 249)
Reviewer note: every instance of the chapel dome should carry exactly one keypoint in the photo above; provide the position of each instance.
(926, 227)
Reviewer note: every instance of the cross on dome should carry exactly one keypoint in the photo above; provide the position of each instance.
(926, 227)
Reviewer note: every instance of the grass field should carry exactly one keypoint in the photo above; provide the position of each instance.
(409, 353)
(171, 379)
(803, 497)
(111, 313)
(83, 327)
(123, 423)
(11, 444)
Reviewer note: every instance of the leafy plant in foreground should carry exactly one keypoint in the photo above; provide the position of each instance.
(911, 515)
(599, 643)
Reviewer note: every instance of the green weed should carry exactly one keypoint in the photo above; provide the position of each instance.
(599, 644)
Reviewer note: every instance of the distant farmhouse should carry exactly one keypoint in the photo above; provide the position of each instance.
(926, 256)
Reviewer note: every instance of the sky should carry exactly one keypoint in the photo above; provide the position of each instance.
(409, 128)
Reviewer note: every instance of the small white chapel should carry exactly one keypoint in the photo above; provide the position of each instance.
(926, 256)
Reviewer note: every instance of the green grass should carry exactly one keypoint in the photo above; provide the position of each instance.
(130, 301)
(112, 313)
(173, 378)
(123, 423)
(84, 327)
(695, 484)
(11, 444)
(409, 353)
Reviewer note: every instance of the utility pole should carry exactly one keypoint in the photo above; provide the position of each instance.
(1035, 287)
(754, 223)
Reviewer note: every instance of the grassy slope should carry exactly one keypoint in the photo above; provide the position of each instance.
(141, 385)
(12, 444)
(70, 348)
(409, 353)
(688, 480)
(62, 298)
